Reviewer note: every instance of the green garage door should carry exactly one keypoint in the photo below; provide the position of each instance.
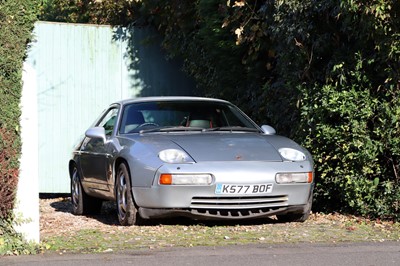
(79, 69)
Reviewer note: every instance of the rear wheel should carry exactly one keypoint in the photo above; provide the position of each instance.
(126, 209)
(81, 202)
(297, 217)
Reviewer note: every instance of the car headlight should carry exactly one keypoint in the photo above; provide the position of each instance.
(292, 154)
(185, 179)
(284, 178)
(174, 156)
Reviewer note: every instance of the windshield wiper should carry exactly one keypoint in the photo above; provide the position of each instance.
(171, 129)
(246, 129)
(182, 128)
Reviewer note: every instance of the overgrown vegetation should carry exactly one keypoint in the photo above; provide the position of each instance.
(89, 11)
(16, 24)
(325, 73)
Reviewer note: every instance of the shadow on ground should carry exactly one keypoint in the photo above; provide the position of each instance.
(108, 216)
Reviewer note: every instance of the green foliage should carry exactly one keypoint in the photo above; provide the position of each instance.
(352, 115)
(347, 92)
(354, 136)
(16, 24)
(88, 11)
(192, 30)
(9, 171)
(12, 243)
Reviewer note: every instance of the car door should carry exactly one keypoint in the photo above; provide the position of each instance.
(95, 155)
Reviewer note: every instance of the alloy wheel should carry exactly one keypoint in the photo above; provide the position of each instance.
(75, 188)
(122, 196)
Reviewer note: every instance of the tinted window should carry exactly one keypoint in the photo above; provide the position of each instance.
(137, 116)
(108, 121)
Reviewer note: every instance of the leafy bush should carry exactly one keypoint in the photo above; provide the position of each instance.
(12, 243)
(347, 93)
(354, 135)
(16, 23)
(88, 11)
(9, 172)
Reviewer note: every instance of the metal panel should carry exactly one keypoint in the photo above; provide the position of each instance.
(80, 69)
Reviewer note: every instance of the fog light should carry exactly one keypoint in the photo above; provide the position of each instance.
(185, 179)
(284, 178)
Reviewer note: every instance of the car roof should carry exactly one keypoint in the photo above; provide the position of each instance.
(168, 98)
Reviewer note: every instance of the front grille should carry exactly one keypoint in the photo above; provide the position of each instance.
(238, 207)
(227, 203)
(238, 214)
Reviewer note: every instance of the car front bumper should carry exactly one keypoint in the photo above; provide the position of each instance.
(202, 202)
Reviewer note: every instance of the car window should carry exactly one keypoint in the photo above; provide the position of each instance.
(201, 114)
(108, 121)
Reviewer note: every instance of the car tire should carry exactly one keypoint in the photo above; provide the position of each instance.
(81, 202)
(297, 217)
(126, 209)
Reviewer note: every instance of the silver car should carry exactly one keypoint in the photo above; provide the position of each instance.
(202, 158)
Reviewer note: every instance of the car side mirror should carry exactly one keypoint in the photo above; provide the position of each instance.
(268, 130)
(96, 133)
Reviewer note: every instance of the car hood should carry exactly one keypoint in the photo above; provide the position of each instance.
(226, 147)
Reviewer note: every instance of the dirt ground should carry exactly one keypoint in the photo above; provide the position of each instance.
(56, 217)
(62, 231)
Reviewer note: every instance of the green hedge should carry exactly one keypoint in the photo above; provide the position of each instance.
(346, 88)
(16, 24)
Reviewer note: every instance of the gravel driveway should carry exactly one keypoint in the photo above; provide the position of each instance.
(62, 231)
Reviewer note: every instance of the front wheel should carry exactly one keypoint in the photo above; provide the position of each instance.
(81, 202)
(126, 209)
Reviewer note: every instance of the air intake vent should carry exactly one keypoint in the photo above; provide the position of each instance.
(230, 203)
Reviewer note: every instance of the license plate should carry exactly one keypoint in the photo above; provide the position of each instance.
(243, 189)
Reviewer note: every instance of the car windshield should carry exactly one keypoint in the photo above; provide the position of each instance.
(182, 115)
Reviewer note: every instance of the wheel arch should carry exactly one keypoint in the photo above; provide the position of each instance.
(118, 162)
(71, 165)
